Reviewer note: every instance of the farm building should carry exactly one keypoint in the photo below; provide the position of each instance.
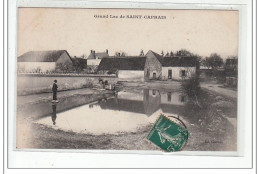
(94, 60)
(178, 68)
(44, 61)
(127, 68)
(231, 72)
(133, 68)
(153, 66)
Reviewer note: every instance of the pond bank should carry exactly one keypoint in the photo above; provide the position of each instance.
(209, 128)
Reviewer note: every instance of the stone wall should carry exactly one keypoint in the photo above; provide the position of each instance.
(131, 75)
(40, 83)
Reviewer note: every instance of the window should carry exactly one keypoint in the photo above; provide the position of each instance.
(154, 92)
(183, 73)
(169, 96)
(169, 74)
(182, 98)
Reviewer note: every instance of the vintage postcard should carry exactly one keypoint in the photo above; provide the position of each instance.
(127, 79)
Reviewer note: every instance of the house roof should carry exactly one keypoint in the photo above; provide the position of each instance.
(125, 63)
(42, 56)
(159, 57)
(178, 62)
(100, 55)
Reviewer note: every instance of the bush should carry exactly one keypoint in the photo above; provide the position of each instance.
(191, 87)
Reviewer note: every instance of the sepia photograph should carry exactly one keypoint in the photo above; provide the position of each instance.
(127, 79)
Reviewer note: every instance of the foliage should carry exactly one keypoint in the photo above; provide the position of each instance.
(121, 54)
(84, 56)
(65, 67)
(141, 53)
(192, 88)
(184, 52)
(214, 61)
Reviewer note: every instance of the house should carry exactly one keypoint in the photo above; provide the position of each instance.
(231, 67)
(44, 61)
(231, 72)
(133, 68)
(178, 68)
(153, 66)
(126, 68)
(94, 60)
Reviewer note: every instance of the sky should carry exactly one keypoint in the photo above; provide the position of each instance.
(78, 31)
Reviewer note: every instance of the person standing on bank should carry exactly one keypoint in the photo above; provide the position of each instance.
(54, 90)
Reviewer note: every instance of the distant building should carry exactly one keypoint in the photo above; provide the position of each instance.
(94, 60)
(178, 68)
(231, 72)
(152, 66)
(133, 68)
(127, 68)
(43, 61)
(231, 66)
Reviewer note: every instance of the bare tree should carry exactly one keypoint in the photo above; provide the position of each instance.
(84, 56)
(162, 53)
(142, 53)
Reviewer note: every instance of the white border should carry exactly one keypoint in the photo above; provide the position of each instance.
(21, 159)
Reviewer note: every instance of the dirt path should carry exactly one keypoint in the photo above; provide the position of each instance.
(220, 90)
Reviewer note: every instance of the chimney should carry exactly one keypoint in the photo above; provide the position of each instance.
(107, 51)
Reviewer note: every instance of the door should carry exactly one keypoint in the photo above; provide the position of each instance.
(154, 75)
(169, 74)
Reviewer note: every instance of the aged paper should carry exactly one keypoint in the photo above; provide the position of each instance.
(117, 70)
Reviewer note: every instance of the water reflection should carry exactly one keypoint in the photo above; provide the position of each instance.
(54, 115)
(44, 108)
(145, 101)
(126, 111)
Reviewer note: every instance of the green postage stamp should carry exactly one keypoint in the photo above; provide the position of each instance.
(168, 135)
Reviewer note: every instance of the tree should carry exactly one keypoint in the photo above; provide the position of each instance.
(184, 52)
(65, 67)
(205, 63)
(120, 54)
(214, 61)
(84, 56)
(162, 53)
(142, 53)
